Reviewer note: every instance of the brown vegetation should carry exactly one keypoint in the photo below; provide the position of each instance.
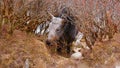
(96, 19)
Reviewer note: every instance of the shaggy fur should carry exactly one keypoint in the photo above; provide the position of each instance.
(66, 33)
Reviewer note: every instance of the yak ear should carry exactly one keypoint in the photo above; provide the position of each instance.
(52, 16)
(63, 23)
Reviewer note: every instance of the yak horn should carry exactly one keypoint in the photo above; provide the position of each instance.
(50, 14)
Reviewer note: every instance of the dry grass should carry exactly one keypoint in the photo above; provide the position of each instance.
(104, 53)
(20, 46)
(16, 45)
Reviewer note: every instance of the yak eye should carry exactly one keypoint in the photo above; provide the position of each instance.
(57, 30)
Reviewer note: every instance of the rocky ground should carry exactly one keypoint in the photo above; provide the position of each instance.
(23, 50)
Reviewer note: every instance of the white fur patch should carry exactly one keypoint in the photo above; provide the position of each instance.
(54, 24)
(77, 54)
(38, 29)
(78, 38)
